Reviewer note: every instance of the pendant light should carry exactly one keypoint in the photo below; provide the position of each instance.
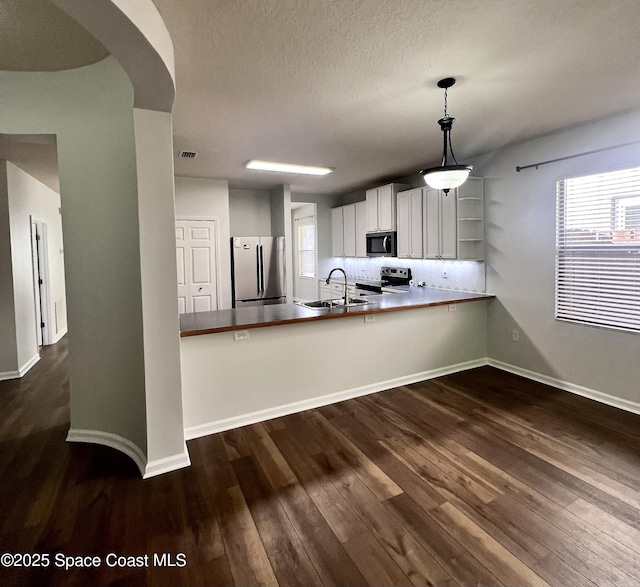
(447, 176)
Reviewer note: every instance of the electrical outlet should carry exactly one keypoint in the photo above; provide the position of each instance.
(445, 273)
(515, 335)
(369, 317)
(452, 307)
(240, 335)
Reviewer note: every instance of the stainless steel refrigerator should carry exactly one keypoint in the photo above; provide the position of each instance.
(257, 271)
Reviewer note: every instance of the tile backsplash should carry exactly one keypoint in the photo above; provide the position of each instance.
(461, 275)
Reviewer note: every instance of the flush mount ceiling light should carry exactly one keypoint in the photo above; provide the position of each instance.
(287, 168)
(448, 175)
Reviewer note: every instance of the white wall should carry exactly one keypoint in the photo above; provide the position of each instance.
(326, 361)
(166, 449)
(520, 215)
(209, 198)
(30, 198)
(249, 212)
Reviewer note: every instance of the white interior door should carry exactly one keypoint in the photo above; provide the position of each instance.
(196, 255)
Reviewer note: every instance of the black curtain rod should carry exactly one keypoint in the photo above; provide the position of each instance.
(536, 165)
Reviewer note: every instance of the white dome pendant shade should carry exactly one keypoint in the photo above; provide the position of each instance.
(446, 176)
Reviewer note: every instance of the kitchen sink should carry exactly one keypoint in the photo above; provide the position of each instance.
(337, 303)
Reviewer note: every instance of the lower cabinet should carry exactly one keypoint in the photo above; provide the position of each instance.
(334, 290)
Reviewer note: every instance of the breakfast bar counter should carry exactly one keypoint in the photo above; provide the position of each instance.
(278, 314)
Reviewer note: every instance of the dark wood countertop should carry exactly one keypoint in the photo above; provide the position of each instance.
(275, 315)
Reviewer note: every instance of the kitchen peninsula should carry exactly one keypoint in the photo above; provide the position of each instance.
(278, 314)
(251, 364)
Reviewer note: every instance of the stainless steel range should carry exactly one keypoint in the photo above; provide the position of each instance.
(389, 276)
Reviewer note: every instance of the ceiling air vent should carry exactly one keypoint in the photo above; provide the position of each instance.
(188, 154)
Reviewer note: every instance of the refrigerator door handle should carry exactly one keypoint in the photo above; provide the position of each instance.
(258, 270)
(261, 270)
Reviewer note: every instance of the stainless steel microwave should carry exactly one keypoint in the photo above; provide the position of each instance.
(382, 244)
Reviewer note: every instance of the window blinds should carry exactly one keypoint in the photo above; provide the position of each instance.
(598, 249)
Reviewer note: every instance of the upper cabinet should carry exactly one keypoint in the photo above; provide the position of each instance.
(410, 230)
(435, 225)
(439, 224)
(337, 232)
(361, 229)
(381, 207)
(348, 230)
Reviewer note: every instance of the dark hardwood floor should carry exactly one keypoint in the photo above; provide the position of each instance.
(477, 478)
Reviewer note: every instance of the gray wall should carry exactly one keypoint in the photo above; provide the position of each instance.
(249, 212)
(209, 198)
(520, 231)
(90, 111)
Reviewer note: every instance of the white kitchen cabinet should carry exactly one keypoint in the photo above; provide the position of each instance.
(335, 289)
(381, 207)
(454, 224)
(337, 232)
(439, 224)
(410, 223)
(349, 230)
(361, 229)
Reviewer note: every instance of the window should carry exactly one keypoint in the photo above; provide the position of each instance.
(306, 228)
(598, 249)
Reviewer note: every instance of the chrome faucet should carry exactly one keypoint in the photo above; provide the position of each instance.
(346, 286)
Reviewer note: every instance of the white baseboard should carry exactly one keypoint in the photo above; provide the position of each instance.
(112, 440)
(21, 372)
(167, 464)
(147, 469)
(317, 402)
(598, 396)
(30, 363)
(58, 336)
(7, 375)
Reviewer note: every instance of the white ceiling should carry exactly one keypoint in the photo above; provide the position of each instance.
(350, 84)
(35, 35)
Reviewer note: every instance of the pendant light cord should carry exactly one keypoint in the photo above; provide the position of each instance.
(445, 102)
(447, 138)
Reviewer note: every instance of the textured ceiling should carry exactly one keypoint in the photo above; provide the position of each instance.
(35, 35)
(350, 84)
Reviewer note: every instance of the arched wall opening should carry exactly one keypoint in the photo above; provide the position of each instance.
(116, 183)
